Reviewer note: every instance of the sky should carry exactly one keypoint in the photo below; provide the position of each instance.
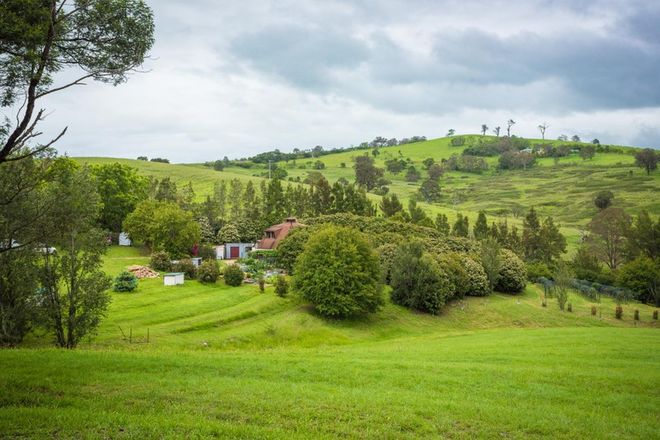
(228, 78)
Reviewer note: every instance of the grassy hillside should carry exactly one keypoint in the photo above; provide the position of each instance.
(564, 190)
(232, 362)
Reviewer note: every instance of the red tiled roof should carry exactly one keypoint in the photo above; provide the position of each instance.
(277, 233)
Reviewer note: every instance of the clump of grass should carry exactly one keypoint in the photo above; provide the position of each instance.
(636, 315)
(655, 315)
(618, 312)
(594, 310)
(262, 284)
(569, 307)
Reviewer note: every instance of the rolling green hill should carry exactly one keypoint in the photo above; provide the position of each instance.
(232, 362)
(564, 190)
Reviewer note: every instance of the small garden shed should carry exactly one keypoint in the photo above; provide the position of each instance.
(237, 250)
(173, 278)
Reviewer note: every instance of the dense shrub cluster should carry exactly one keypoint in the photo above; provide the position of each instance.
(161, 261)
(513, 274)
(417, 280)
(186, 266)
(466, 163)
(510, 160)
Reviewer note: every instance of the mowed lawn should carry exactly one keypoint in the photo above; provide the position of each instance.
(235, 363)
(558, 383)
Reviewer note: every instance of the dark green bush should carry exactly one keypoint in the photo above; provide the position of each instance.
(125, 282)
(339, 273)
(161, 261)
(451, 263)
(233, 275)
(655, 315)
(417, 280)
(477, 280)
(281, 286)
(618, 312)
(513, 274)
(594, 310)
(636, 315)
(187, 267)
(292, 246)
(208, 271)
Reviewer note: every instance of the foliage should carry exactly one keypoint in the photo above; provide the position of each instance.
(451, 264)
(291, 247)
(435, 171)
(458, 141)
(208, 271)
(648, 159)
(412, 175)
(644, 236)
(102, 40)
(538, 269)
(466, 163)
(161, 261)
(281, 286)
(461, 227)
(608, 231)
(541, 242)
(390, 205)
(19, 272)
(74, 287)
(366, 173)
(206, 233)
(603, 199)
(512, 274)
(618, 312)
(186, 266)
(206, 252)
(562, 277)
(125, 282)
(442, 224)
(163, 226)
(387, 255)
(477, 280)
(585, 264)
(430, 190)
(510, 160)
(492, 262)
(233, 275)
(480, 230)
(121, 189)
(339, 273)
(641, 276)
(417, 280)
(228, 234)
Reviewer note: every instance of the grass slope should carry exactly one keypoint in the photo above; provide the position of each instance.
(232, 362)
(565, 190)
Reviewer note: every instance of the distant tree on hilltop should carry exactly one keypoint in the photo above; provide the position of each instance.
(647, 159)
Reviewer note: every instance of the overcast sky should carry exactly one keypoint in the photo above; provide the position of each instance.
(237, 78)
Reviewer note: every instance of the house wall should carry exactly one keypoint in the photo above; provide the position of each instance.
(243, 249)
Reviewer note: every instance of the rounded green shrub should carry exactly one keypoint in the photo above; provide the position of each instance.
(208, 271)
(292, 246)
(281, 286)
(206, 252)
(125, 282)
(477, 280)
(513, 273)
(417, 280)
(339, 273)
(161, 261)
(233, 275)
(451, 264)
(187, 267)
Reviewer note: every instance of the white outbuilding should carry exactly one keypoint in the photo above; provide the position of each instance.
(173, 278)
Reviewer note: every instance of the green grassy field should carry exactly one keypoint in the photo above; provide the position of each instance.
(235, 363)
(564, 190)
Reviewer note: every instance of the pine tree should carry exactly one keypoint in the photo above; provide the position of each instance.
(531, 236)
(480, 230)
(461, 226)
(442, 224)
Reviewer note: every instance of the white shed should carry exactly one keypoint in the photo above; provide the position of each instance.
(124, 239)
(220, 252)
(173, 278)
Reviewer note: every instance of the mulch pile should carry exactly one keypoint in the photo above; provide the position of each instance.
(142, 271)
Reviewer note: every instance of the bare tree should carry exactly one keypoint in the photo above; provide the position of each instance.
(496, 130)
(484, 129)
(510, 123)
(542, 128)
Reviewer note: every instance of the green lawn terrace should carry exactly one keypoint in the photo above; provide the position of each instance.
(233, 362)
(564, 190)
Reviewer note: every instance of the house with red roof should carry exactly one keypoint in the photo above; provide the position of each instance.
(276, 233)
